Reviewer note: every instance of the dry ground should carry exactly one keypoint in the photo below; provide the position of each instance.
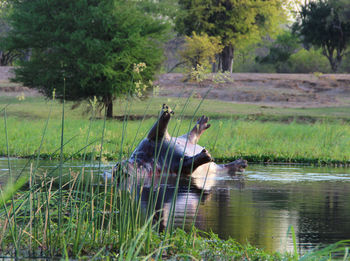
(280, 90)
(286, 90)
(12, 89)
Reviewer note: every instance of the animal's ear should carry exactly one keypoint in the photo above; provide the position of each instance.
(159, 129)
(166, 108)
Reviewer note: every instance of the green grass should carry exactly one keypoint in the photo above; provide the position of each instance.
(34, 108)
(325, 141)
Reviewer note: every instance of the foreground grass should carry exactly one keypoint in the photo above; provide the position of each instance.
(83, 220)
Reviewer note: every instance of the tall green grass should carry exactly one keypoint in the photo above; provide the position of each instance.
(321, 142)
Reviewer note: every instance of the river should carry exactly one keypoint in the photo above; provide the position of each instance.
(257, 207)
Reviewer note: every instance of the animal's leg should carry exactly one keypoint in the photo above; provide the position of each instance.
(235, 166)
(159, 129)
(198, 129)
(191, 163)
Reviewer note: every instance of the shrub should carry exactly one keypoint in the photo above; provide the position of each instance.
(200, 50)
(308, 61)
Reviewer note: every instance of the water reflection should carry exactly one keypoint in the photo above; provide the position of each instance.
(260, 207)
(192, 193)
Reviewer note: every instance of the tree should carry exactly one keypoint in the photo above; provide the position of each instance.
(88, 46)
(6, 56)
(200, 50)
(320, 25)
(236, 22)
(280, 50)
(343, 7)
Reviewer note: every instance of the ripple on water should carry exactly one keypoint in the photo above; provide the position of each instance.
(296, 176)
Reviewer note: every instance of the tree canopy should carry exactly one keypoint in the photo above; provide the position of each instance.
(280, 50)
(7, 57)
(320, 24)
(92, 44)
(235, 22)
(200, 50)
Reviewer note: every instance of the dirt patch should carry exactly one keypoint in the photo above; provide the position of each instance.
(287, 90)
(8, 88)
(283, 90)
(5, 73)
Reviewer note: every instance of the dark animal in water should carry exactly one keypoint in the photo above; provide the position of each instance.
(159, 152)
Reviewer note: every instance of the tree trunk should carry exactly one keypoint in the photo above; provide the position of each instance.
(216, 66)
(227, 58)
(334, 63)
(334, 59)
(108, 101)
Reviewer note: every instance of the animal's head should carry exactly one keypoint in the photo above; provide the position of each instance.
(119, 168)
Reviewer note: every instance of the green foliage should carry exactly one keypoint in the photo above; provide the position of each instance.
(241, 21)
(166, 8)
(280, 51)
(93, 45)
(320, 25)
(308, 61)
(343, 7)
(246, 58)
(208, 246)
(345, 65)
(7, 57)
(235, 22)
(302, 61)
(200, 50)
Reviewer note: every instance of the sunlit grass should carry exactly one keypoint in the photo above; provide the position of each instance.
(254, 132)
(323, 142)
(35, 108)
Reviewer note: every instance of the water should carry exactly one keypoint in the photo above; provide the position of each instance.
(258, 207)
(261, 206)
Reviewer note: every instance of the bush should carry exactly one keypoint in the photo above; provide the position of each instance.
(280, 51)
(200, 50)
(345, 65)
(308, 61)
(254, 67)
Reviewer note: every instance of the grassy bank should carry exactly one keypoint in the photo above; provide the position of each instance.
(226, 140)
(323, 141)
(36, 108)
